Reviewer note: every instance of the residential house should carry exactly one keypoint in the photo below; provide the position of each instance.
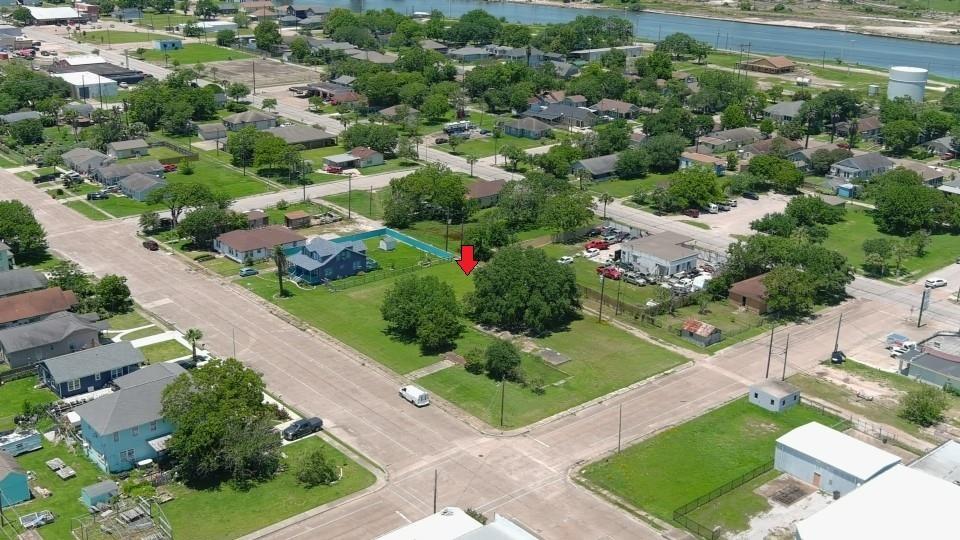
(399, 113)
(436, 46)
(32, 306)
(485, 193)
(942, 147)
(550, 97)
(529, 128)
(343, 98)
(599, 168)
(99, 493)
(84, 160)
(562, 115)
(357, 158)
(750, 294)
(861, 167)
(375, 57)
(693, 159)
(90, 369)
(803, 158)
(615, 108)
(779, 146)
(138, 186)
(298, 219)
(299, 11)
(951, 188)
(247, 245)
(228, 8)
(208, 132)
(931, 176)
(530, 56)
(659, 254)
(772, 64)
(575, 100)
(469, 54)
(565, 70)
(322, 260)
(110, 175)
(14, 486)
(727, 140)
(128, 149)
(868, 128)
(312, 23)
(345, 80)
(58, 334)
(6, 258)
(259, 120)
(288, 20)
(589, 55)
(14, 117)
(16, 281)
(83, 110)
(127, 426)
(305, 136)
(637, 138)
(784, 111)
(257, 219)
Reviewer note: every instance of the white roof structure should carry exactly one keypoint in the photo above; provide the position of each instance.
(84, 78)
(83, 60)
(900, 503)
(216, 25)
(837, 450)
(447, 524)
(53, 13)
(942, 462)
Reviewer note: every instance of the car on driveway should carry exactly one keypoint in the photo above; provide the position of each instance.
(248, 271)
(933, 283)
(692, 212)
(566, 259)
(98, 196)
(610, 272)
(634, 278)
(302, 428)
(591, 252)
(751, 195)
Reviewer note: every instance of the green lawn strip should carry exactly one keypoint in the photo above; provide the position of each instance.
(680, 464)
(732, 511)
(391, 165)
(163, 351)
(14, 393)
(847, 237)
(142, 333)
(162, 20)
(81, 190)
(368, 204)
(625, 188)
(695, 223)
(120, 206)
(275, 215)
(87, 210)
(113, 37)
(195, 53)
(228, 267)
(228, 513)
(126, 321)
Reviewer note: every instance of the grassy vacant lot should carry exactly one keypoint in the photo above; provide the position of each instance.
(733, 511)
(364, 202)
(604, 359)
(847, 237)
(390, 165)
(162, 20)
(671, 469)
(483, 146)
(195, 53)
(113, 37)
(15, 393)
(625, 188)
(163, 351)
(228, 513)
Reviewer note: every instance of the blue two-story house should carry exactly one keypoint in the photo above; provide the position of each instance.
(90, 369)
(126, 427)
(321, 260)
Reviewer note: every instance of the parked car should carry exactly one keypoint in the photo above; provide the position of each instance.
(187, 363)
(712, 208)
(933, 283)
(302, 428)
(248, 271)
(610, 272)
(597, 244)
(98, 196)
(566, 259)
(151, 245)
(751, 195)
(169, 167)
(723, 207)
(591, 252)
(731, 203)
(610, 238)
(441, 140)
(416, 395)
(634, 279)
(333, 169)
(691, 212)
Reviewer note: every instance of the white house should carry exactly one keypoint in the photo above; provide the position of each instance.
(84, 84)
(256, 244)
(659, 254)
(774, 395)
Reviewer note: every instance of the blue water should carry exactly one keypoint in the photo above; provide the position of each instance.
(883, 52)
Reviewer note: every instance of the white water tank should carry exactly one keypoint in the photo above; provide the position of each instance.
(908, 82)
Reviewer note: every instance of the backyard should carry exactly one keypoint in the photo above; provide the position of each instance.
(485, 145)
(15, 394)
(194, 53)
(664, 472)
(625, 188)
(164, 351)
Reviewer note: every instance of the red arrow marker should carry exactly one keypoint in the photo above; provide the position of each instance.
(466, 261)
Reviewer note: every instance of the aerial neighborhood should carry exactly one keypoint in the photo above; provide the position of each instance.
(518, 271)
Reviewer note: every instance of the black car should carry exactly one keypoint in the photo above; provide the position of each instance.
(751, 195)
(97, 196)
(302, 428)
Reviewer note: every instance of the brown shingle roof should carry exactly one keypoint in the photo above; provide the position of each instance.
(296, 214)
(751, 288)
(35, 303)
(251, 239)
(778, 62)
(482, 188)
(621, 107)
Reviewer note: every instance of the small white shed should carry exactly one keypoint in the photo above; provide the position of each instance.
(774, 395)
(388, 243)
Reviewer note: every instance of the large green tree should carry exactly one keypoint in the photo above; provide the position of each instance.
(903, 204)
(789, 292)
(21, 231)
(695, 187)
(267, 34)
(425, 310)
(207, 222)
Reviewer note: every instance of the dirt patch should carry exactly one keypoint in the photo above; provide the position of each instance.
(266, 71)
(781, 483)
(754, 427)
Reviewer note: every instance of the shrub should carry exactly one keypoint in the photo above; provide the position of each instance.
(314, 469)
(924, 406)
(475, 366)
(282, 204)
(186, 167)
(502, 360)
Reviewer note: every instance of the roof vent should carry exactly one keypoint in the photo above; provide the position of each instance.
(446, 512)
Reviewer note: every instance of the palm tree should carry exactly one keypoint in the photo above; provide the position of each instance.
(605, 198)
(471, 159)
(193, 335)
(280, 259)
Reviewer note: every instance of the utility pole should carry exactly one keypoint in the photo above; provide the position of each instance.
(924, 300)
(233, 332)
(370, 210)
(253, 67)
(769, 353)
(349, 195)
(836, 342)
(617, 310)
(600, 314)
(619, 428)
(503, 393)
(436, 477)
(786, 349)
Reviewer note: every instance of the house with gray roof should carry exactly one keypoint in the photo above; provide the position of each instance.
(6, 257)
(15, 117)
(470, 54)
(90, 369)
(21, 280)
(861, 167)
(599, 168)
(138, 186)
(529, 128)
(127, 426)
(82, 109)
(565, 70)
(305, 136)
(784, 111)
(211, 131)
(615, 108)
(659, 254)
(562, 114)
(322, 260)
(110, 175)
(128, 149)
(84, 160)
(942, 147)
(50, 337)
(432, 45)
(257, 119)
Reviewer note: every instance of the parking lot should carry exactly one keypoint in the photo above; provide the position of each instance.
(737, 220)
(272, 73)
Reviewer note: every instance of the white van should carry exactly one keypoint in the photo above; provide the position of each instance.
(713, 209)
(415, 395)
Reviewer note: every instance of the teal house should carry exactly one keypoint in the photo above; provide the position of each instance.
(13, 482)
(126, 427)
(101, 492)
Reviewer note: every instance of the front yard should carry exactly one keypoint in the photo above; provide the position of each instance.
(626, 188)
(485, 145)
(164, 351)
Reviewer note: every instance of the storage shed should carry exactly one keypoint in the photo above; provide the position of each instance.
(750, 294)
(388, 243)
(20, 442)
(701, 333)
(830, 460)
(774, 395)
(101, 492)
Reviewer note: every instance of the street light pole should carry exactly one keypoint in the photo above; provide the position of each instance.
(600, 314)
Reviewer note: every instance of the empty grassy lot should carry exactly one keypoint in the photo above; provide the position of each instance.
(483, 146)
(127, 321)
(680, 464)
(625, 188)
(195, 53)
(114, 37)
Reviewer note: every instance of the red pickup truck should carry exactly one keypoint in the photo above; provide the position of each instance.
(598, 244)
(610, 272)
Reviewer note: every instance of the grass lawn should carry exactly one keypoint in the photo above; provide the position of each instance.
(228, 513)
(483, 146)
(227, 267)
(195, 53)
(316, 155)
(847, 237)
(162, 20)
(14, 393)
(732, 511)
(88, 211)
(163, 351)
(625, 188)
(142, 333)
(113, 37)
(127, 321)
(367, 203)
(120, 206)
(390, 165)
(676, 466)
(275, 215)
(697, 224)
